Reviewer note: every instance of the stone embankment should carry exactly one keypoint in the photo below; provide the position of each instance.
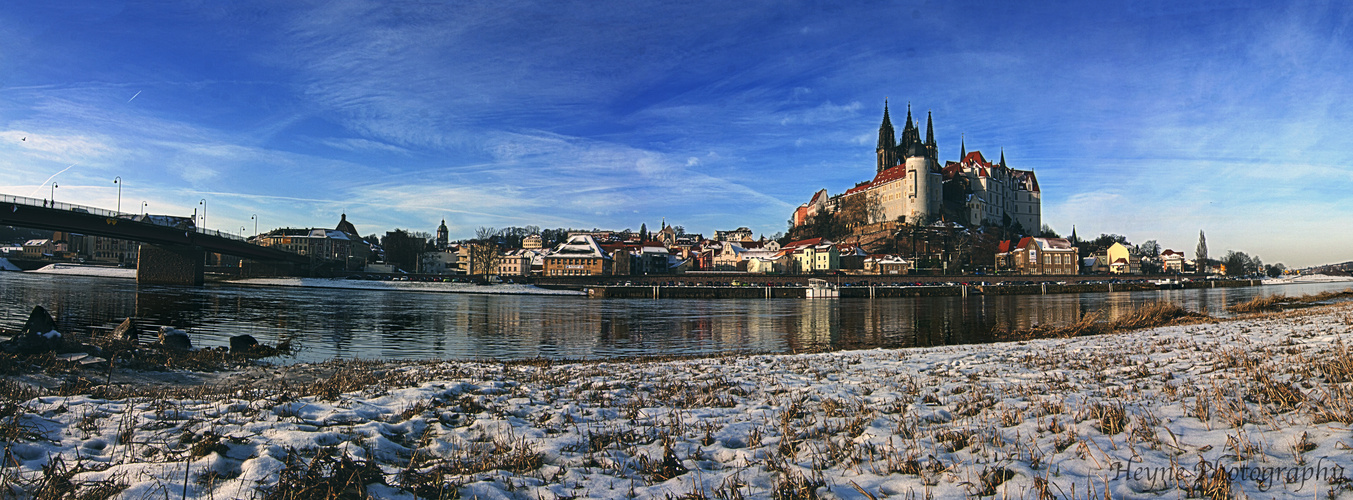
(884, 291)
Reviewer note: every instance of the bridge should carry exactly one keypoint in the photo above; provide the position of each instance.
(173, 249)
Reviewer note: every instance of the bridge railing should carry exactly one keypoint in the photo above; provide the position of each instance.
(35, 202)
(52, 204)
(213, 232)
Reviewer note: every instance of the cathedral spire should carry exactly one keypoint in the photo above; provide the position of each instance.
(963, 147)
(910, 144)
(887, 147)
(887, 138)
(931, 147)
(929, 129)
(1003, 158)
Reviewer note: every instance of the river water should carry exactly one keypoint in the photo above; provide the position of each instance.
(340, 323)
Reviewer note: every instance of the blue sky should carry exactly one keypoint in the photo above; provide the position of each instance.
(1146, 119)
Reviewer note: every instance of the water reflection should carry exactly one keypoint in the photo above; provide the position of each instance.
(390, 324)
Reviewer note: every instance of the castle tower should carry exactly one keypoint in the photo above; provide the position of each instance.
(924, 181)
(887, 149)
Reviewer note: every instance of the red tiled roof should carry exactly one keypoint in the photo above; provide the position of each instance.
(890, 174)
(951, 169)
(1005, 246)
(805, 243)
(858, 187)
(1032, 178)
(1023, 242)
(976, 157)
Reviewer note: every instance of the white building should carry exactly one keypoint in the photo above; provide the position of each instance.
(992, 191)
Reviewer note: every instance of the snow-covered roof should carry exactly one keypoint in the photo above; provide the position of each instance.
(581, 245)
(1053, 243)
(36, 243)
(886, 259)
(761, 254)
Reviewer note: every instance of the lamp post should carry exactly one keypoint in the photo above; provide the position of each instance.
(204, 212)
(54, 186)
(255, 219)
(143, 207)
(118, 180)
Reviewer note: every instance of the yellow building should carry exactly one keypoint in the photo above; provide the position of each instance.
(1122, 260)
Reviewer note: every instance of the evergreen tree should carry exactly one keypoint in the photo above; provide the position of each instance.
(1200, 254)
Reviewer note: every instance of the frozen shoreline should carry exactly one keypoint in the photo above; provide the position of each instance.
(1105, 413)
(1308, 278)
(84, 270)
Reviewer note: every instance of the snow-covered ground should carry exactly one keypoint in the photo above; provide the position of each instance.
(1308, 278)
(6, 265)
(82, 270)
(407, 286)
(1130, 415)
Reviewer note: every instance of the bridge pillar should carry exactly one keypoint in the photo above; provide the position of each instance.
(169, 265)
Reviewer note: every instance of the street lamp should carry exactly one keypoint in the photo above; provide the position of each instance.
(118, 180)
(255, 219)
(143, 207)
(54, 186)
(204, 212)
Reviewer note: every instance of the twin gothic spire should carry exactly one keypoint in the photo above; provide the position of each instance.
(891, 152)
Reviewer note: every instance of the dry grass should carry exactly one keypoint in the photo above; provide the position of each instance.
(1156, 314)
(1279, 302)
(330, 475)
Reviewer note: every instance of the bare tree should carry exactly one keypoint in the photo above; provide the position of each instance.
(874, 206)
(484, 256)
(1149, 249)
(852, 213)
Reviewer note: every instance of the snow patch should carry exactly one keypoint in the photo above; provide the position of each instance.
(83, 270)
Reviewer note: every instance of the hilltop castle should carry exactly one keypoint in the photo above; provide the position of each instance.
(910, 183)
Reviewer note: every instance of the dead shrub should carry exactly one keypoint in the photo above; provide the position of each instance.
(1151, 315)
(325, 477)
(1213, 482)
(1279, 302)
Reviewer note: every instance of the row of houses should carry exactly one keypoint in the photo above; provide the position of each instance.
(64, 246)
(583, 255)
(1057, 256)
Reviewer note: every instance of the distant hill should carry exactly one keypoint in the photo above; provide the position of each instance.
(1341, 269)
(18, 235)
